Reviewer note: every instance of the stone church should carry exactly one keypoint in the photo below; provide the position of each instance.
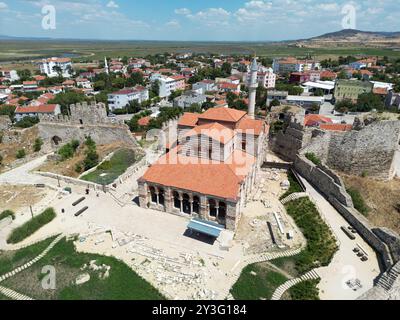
(210, 172)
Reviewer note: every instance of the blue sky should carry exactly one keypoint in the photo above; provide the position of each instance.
(226, 20)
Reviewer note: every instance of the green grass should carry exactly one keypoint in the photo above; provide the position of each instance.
(122, 284)
(294, 186)
(306, 290)
(120, 161)
(321, 245)
(9, 260)
(7, 213)
(313, 158)
(358, 201)
(30, 227)
(254, 287)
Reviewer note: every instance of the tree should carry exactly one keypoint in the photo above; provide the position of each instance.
(369, 101)
(136, 78)
(226, 68)
(58, 70)
(342, 75)
(155, 89)
(99, 85)
(24, 75)
(275, 103)
(344, 105)
(27, 122)
(20, 154)
(68, 98)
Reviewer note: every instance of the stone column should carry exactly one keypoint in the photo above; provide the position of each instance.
(203, 208)
(168, 200)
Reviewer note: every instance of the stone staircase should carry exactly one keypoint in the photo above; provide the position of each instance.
(15, 295)
(294, 196)
(312, 275)
(387, 280)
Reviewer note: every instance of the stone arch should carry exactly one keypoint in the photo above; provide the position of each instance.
(177, 201)
(186, 204)
(213, 207)
(196, 204)
(153, 194)
(161, 196)
(56, 140)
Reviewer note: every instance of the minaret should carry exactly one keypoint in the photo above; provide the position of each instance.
(106, 65)
(253, 85)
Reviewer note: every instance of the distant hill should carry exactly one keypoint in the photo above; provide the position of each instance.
(352, 38)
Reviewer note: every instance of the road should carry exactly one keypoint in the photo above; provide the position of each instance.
(345, 264)
(23, 175)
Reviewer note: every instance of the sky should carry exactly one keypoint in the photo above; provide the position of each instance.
(194, 20)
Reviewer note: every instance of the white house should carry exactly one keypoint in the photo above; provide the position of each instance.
(11, 75)
(290, 64)
(265, 77)
(189, 98)
(170, 84)
(205, 86)
(50, 66)
(120, 99)
(83, 83)
(34, 111)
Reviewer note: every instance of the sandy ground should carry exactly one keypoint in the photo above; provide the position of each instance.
(345, 265)
(18, 198)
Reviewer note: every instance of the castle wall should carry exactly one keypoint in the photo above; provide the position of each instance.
(85, 120)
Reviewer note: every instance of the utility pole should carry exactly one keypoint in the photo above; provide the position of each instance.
(30, 207)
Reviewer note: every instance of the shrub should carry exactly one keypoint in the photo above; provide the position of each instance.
(1, 159)
(91, 160)
(7, 213)
(30, 227)
(20, 154)
(78, 168)
(37, 146)
(27, 122)
(75, 144)
(358, 201)
(313, 158)
(106, 165)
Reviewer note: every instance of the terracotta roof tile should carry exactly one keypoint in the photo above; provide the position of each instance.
(189, 119)
(223, 114)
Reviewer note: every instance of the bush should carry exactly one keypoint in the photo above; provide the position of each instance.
(78, 168)
(295, 187)
(358, 201)
(37, 146)
(27, 122)
(1, 159)
(30, 227)
(306, 290)
(313, 158)
(66, 152)
(91, 160)
(7, 213)
(75, 144)
(20, 154)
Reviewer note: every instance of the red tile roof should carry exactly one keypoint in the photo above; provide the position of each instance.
(315, 119)
(144, 121)
(46, 108)
(247, 124)
(223, 114)
(187, 173)
(336, 127)
(213, 130)
(189, 119)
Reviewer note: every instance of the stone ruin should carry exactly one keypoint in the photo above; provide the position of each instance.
(85, 120)
(372, 148)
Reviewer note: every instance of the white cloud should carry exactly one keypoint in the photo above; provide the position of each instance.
(3, 6)
(329, 7)
(211, 17)
(183, 11)
(112, 4)
(173, 24)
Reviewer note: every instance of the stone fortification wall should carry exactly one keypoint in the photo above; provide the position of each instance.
(332, 187)
(85, 120)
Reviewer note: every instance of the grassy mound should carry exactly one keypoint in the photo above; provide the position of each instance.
(31, 226)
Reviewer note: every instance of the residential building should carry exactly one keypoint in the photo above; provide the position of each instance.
(83, 83)
(121, 98)
(265, 77)
(351, 89)
(170, 84)
(229, 87)
(205, 86)
(29, 86)
(299, 77)
(52, 67)
(189, 98)
(34, 111)
(291, 64)
(276, 95)
(304, 101)
(10, 75)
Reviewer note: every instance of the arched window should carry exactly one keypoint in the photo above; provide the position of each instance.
(177, 202)
(213, 209)
(153, 194)
(196, 204)
(222, 212)
(161, 196)
(186, 204)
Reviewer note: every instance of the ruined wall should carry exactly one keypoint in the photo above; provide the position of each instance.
(85, 120)
(371, 150)
(5, 123)
(332, 187)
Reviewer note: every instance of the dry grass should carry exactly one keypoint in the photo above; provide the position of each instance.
(18, 197)
(381, 197)
(67, 167)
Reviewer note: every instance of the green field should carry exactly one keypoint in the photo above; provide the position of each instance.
(121, 284)
(14, 50)
(109, 171)
(257, 281)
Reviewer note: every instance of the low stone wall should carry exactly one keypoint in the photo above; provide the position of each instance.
(332, 187)
(391, 239)
(74, 181)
